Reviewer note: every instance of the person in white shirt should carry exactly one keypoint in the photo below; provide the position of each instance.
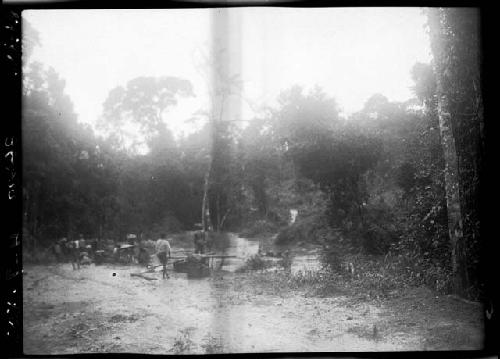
(163, 253)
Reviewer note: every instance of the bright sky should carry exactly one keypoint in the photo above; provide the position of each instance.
(351, 53)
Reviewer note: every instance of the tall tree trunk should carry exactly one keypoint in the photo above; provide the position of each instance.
(452, 187)
(440, 49)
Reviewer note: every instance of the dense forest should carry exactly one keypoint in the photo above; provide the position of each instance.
(398, 181)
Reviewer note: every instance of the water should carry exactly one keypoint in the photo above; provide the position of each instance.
(305, 262)
(243, 249)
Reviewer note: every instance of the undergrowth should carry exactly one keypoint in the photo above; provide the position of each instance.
(368, 276)
(259, 228)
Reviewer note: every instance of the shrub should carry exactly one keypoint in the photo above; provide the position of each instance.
(309, 229)
(377, 239)
(331, 258)
(379, 230)
(40, 256)
(169, 224)
(286, 261)
(213, 345)
(258, 228)
(255, 262)
(335, 249)
(183, 342)
(217, 241)
(288, 235)
(375, 274)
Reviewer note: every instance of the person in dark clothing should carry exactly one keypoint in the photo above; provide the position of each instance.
(199, 242)
(58, 252)
(143, 256)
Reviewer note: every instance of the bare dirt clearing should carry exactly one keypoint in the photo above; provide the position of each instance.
(104, 309)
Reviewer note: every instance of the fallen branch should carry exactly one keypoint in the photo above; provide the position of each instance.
(142, 276)
(39, 280)
(463, 299)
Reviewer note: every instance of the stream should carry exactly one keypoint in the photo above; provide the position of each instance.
(243, 249)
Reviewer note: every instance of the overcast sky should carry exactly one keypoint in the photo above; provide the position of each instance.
(351, 53)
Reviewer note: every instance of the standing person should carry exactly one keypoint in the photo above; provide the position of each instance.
(64, 249)
(163, 253)
(74, 247)
(58, 251)
(81, 242)
(199, 242)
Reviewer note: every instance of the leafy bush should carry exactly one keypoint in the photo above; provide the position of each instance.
(217, 241)
(286, 261)
(307, 278)
(331, 258)
(183, 342)
(335, 248)
(310, 229)
(213, 345)
(169, 224)
(382, 274)
(259, 228)
(290, 234)
(377, 239)
(255, 262)
(40, 256)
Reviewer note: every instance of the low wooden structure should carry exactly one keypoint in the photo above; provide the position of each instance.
(197, 265)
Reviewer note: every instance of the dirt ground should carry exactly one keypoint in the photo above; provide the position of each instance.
(104, 309)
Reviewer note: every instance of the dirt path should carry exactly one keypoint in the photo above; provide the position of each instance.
(104, 309)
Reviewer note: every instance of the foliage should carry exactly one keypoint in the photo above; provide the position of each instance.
(255, 262)
(455, 42)
(213, 344)
(141, 105)
(259, 228)
(285, 261)
(368, 187)
(183, 342)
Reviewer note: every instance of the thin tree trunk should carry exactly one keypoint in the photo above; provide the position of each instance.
(455, 230)
(224, 218)
(217, 203)
(204, 205)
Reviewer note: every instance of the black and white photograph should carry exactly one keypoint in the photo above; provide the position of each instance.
(252, 180)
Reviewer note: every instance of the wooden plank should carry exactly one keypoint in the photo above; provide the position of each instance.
(142, 276)
(213, 256)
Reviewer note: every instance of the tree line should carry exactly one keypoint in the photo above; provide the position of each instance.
(397, 178)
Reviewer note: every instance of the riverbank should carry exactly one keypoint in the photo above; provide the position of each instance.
(103, 309)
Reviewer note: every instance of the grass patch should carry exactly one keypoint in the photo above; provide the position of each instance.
(365, 332)
(451, 337)
(255, 262)
(213, 345)
(284, 283)
(183, 342)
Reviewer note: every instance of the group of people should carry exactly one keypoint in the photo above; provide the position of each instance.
(73, 250)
